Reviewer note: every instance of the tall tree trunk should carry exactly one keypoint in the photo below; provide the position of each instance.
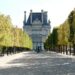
(66, 50)
(73, 49)
(70, 49)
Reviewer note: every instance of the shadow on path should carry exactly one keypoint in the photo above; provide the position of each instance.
(39, 64)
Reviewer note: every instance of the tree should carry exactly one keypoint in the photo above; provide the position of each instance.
(12, 37)
(52, 39)
(71, 20)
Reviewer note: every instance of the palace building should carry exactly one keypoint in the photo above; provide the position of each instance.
(38, 27)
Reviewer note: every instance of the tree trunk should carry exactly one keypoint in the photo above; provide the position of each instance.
(66, 51)
(73, 49)
(70, 50)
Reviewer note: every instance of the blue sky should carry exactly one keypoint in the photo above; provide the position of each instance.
(58, 10)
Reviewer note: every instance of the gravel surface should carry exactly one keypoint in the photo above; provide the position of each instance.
(31, 63)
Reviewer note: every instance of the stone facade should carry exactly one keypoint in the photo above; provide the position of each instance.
(38, 28)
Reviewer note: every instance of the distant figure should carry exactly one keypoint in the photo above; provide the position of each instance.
(38, 49)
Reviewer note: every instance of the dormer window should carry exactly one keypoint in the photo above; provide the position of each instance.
(37, 22)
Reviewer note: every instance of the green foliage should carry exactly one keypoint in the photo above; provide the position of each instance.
(71, 20)
(47, 43)
(60, 35)
(21, 39)
(54, 36)
(63, 33)
(10, 36)
(5, 27)
(52, 39)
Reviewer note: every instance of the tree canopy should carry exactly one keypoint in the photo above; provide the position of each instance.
(12, 36)
(64, 34)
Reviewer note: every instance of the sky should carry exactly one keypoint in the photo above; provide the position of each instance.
(58, 10)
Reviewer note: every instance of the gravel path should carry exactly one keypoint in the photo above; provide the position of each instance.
(31, 63)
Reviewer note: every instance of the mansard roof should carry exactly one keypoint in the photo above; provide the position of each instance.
(38, 16)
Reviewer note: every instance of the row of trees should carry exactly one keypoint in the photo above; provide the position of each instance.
(63, 36)
(12, 36)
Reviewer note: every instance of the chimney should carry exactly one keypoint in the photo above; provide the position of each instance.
(24, 16)
(42, 16)
(31, 16)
